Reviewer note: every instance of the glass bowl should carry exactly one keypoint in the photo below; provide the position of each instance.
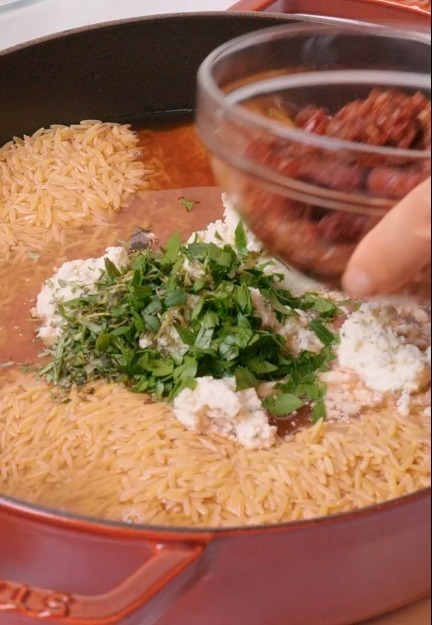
(309, 178)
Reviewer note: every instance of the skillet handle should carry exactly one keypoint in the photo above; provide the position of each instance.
(159, 572)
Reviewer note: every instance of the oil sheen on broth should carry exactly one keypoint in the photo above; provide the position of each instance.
(179, 169)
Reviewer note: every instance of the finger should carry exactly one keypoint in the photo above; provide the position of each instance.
(396, 250)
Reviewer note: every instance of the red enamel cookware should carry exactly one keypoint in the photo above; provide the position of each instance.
(66, 570)
(397, 11)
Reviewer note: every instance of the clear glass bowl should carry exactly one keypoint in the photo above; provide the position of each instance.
(308, 196)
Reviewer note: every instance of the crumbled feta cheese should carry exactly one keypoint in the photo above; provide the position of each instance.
(295, 329)
(403, 404)
(381, 358)
(167, 342)
(214, 407)
(222, 231)
(195, 270)
(70, 281)
(347, 395)
(264, 310)
(298, 335)
(146, 340)
(292, 280)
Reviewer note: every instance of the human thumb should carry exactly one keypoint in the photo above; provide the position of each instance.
(396, 250)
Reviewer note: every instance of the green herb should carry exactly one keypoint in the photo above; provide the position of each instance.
(176, 297)
(241, 240)
(186, 335)
(8, 363)
(33, 255)
(172, 249)
(261, 367)
(103, 342)
(188, 204)
(318, 411)
(245, 379)
(283, 405)
(325, 306)
(212, 321)
(324, 334)
(111, 269)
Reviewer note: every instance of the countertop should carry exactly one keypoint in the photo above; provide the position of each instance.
(44, 17)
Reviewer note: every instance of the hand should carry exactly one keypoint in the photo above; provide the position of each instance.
(396, 250)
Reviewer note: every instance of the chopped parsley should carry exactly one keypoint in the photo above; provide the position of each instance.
(189, 205)
(209, 315)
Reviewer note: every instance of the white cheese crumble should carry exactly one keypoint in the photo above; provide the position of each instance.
(222, 231)
(295, 328)
(194, 269)
(264, 310)
(381, 358)
(293, 280)
(70, 281)
(167, 342)
(403, 404)
(346, 395)
(214, 407)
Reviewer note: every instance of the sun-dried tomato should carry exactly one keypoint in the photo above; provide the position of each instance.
(317, 239)
(385, 118)
(313, 119)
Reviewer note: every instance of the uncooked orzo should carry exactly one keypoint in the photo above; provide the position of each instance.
(110, 454)
(65, 176)
(105, 452)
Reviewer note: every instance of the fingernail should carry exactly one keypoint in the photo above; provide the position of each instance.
(358, 283)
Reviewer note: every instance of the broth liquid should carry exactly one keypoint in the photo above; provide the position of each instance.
(179, 169)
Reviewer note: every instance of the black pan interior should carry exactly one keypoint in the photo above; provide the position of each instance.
(124, 71)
